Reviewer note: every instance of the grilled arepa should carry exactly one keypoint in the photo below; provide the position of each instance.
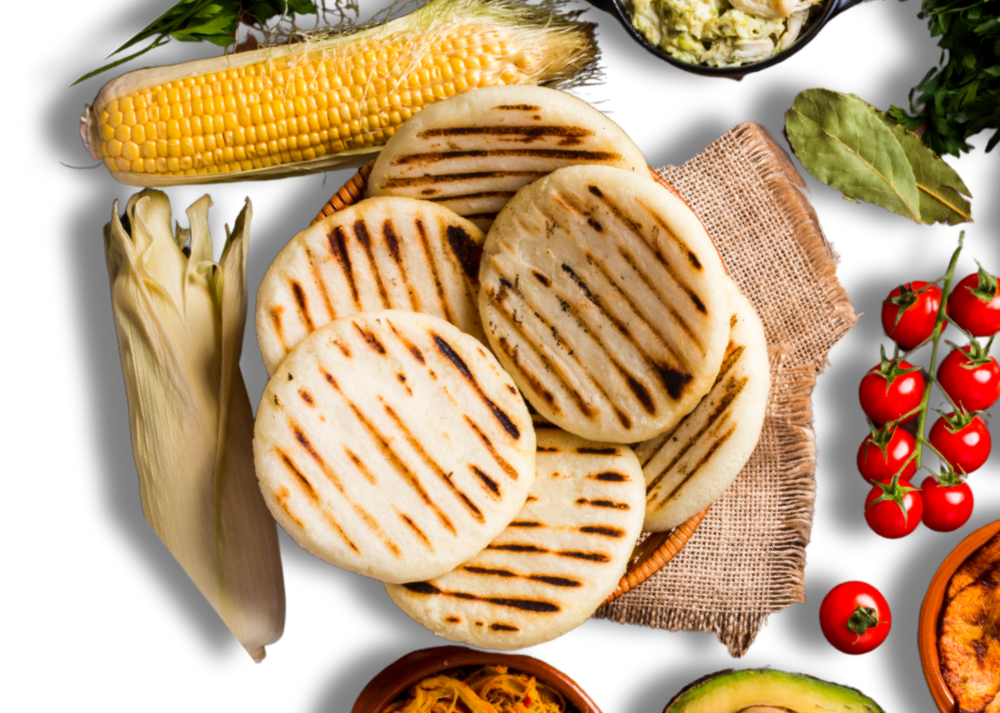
(693, 463)
(554, 564)
(385, 253)
(394, 445)
(605, 299)
(471, 153)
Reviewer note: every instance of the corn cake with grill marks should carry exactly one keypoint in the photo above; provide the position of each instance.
(394, 445)
(605, 299)
(383, 253)
(692, 464)
(554, 564)
(473, 152)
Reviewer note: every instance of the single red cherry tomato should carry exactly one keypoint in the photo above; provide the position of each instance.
(893, 518)
(855, 617)
(965, 450)
(910, 312)
(874, 464)
(974, 304)
(946, 507)
(974, 386)
(887, 398)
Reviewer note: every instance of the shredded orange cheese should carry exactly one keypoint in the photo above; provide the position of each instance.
(490, 689)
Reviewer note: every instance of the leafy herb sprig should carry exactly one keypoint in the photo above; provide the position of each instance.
(212, 21)
(961, 97)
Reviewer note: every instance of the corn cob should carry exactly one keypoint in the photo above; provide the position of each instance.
(323, 103)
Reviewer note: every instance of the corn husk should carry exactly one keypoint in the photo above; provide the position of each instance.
(180, 323)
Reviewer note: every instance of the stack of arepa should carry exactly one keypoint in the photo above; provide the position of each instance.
(487, 422)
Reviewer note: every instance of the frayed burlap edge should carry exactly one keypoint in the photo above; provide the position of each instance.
(789, 411)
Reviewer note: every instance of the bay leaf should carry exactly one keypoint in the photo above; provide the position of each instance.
(840, 141)
(941, 188)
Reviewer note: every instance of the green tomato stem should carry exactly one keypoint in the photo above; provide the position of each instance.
(935, 340)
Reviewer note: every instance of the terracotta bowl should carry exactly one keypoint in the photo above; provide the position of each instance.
(393, 681)
(930, 614)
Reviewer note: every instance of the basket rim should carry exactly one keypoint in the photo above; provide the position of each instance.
(646, 560)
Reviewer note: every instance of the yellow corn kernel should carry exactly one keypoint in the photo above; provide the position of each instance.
(328, 96)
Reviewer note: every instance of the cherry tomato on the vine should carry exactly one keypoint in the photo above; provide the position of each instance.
(893, 518)
(946, 507)
(966, 449)
(972, 383)
(876, 464)
(974, 304)
(887, 393)
(910, 312)
(855, 617)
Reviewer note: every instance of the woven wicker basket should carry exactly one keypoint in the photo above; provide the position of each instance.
(651, 553)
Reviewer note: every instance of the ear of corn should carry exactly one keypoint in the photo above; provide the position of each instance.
(180, 323)
(327, 102)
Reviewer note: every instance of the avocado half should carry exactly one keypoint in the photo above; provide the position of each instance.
(761, 690)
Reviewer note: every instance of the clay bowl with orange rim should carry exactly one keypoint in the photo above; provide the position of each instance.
(396, 678)
(930, 615)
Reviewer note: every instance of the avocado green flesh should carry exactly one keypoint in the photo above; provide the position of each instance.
(766, 691)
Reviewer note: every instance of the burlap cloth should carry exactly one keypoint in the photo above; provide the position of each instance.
(747, 559)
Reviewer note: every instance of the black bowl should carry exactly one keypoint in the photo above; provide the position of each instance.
(831, 9)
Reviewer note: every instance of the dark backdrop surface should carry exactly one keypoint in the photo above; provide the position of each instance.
(140, 621)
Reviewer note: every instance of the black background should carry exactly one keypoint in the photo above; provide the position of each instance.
(122, 612)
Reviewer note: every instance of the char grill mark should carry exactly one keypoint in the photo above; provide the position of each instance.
(599, 451)
(275, 314)
(610, 477)
(320, 285)
(517, 107)
(589, 556)
(438, 286)
(497, 626)
(502, 418)
(382, 443)
(430, 158)
(433, 465)
(363, 237)
(602, 504)
(466, 251)
(410, 346)
(733, 388)
(500, 460)
(310, 492)
(303, 307)
(529, 131)
(532, 605)
(360, 465)
(392, 242)
(435, 179)
(282, 495)
(555, 581)
(338, 248)
(306, 396)
(602, 530)
(370, 339)
(488, 482)
(505, 195)
(335, 480)
(525, 523)
(419, 533)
